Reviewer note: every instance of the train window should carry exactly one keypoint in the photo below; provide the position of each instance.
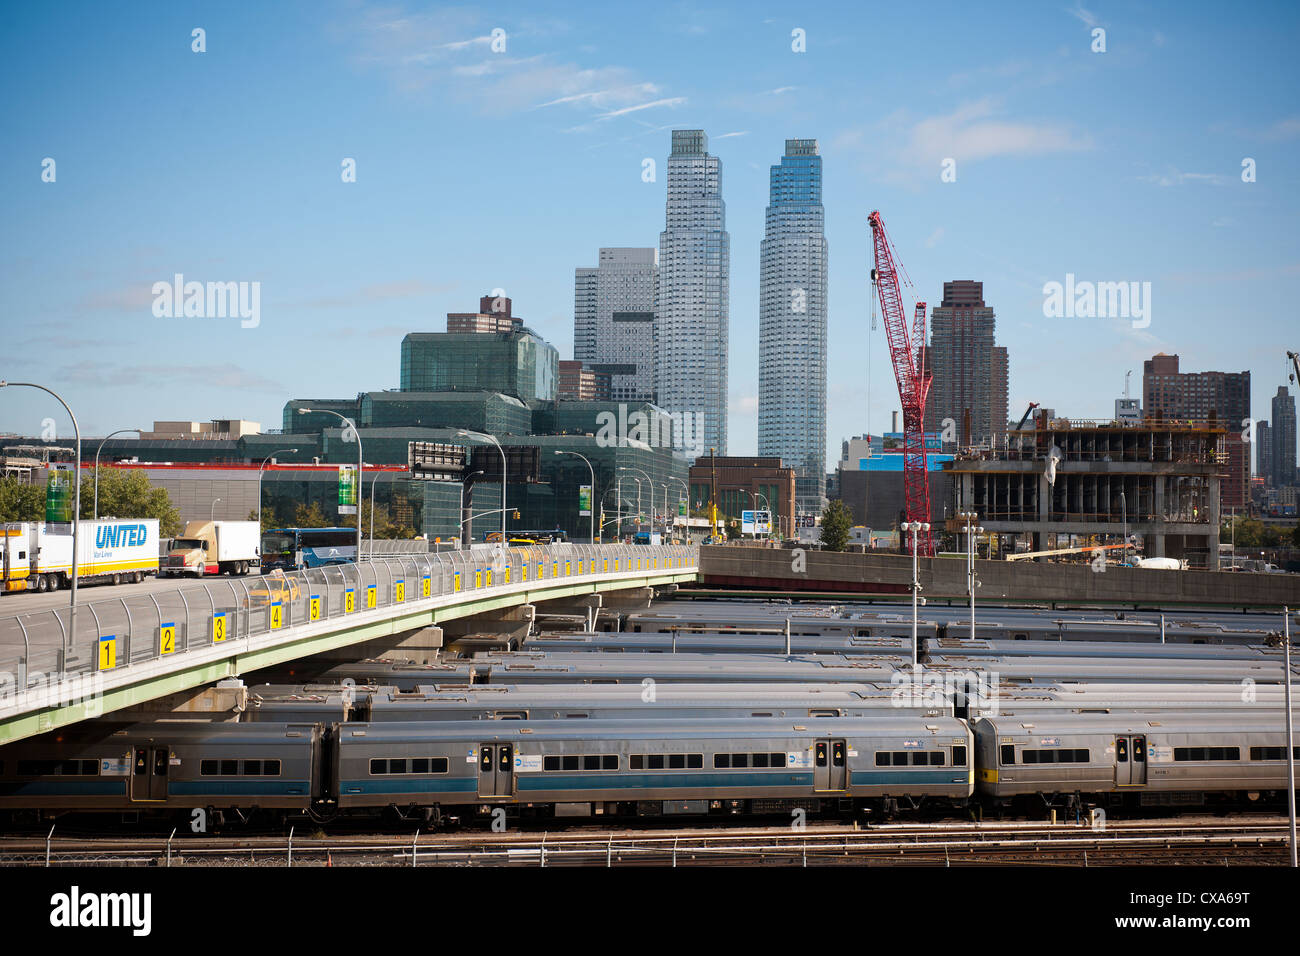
(694, 761)
(208, 768)
(591, 762)
(936, 758)
(270, 768)
(740, 760)
(677, 761)
(722, 761)
(1207, 753)
(821, 754)
(420, 765)
(57, 768)
(550, 763)
(1121, 749)
(837, 754)
(378, 765)
(959, 756)
(503, 755)
(397, 765)
(778, 760)
(160, 763)
(569, 761)
(253, 768)
(636, 762)
(655, 761)
(1139, 749)
(1008, 754)
(485, 760)
(437, 765)
(761, 760)
(229, 768)
(609, 762)
(920, 758)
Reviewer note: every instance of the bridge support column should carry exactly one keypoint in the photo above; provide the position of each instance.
(491, 630)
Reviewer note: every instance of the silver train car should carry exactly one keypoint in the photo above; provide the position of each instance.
(173, 766)
(651, 768)
(1131, 759)
(716, 643)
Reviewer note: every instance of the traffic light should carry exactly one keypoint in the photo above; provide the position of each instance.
(516, 515)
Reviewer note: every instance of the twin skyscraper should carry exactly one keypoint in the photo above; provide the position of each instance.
(656, 320)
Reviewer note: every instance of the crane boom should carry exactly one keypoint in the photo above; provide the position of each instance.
(907, 352)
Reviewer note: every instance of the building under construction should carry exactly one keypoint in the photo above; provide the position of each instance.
(1157, 481)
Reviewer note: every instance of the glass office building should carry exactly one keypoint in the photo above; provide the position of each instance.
(519, 364)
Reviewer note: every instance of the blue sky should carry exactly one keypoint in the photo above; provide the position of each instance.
(479, 169)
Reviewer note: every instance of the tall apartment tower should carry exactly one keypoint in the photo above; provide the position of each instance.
(1198, 397)
(792, 324)
(694, 282)
(970, 371)
(614, 321)
(1284, 438)
(1264, 452)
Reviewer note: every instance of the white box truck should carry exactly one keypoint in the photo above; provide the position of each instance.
(35, 556)
(215, 547)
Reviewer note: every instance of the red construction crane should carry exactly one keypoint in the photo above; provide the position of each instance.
(907, 350)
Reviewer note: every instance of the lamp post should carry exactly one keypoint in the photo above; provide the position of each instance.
(638, 495)
(1123, 514)
(686, 496)
(356, 433)
(915, 527)
(592, 501)
(464, 481)
(76, 516)
(374, 481)
(970, 518)
(463, 433)
(212, 512)
(265, 462)
(97, 451)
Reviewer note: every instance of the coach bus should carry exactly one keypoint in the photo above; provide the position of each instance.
(292, 549)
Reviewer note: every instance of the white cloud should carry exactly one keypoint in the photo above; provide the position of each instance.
(743, 132)
(1087, 16)
(934, 239)
(670, 101)
(1176, 177)
(972, 132)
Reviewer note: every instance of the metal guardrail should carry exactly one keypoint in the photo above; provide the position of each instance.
(118, 633)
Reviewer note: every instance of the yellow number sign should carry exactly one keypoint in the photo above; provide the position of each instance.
(478, 578)
(349, 600)
(455, 582)
(372, 596)
(400, 590)
(487, 577)
(524, 568)
(507, 573)
(426, 586)
(218, 627)
(277, 615)
(107, 652)
(167, 638)
(313, 608)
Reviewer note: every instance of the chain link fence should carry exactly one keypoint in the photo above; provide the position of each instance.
(38, 647)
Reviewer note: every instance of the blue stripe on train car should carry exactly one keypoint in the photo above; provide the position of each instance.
(396, 785)
(115, 787)
(657, 781)
(239, 787)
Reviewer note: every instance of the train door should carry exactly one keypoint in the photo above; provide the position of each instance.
(1131, 760)
(830, 766)
(149, 773)
(496, 770)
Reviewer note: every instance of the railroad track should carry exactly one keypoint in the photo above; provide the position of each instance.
(1219, 843)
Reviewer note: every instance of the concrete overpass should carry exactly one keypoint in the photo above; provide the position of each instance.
(128, 651)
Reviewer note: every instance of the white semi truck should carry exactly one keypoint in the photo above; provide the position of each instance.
(36, 556)
(215, 547)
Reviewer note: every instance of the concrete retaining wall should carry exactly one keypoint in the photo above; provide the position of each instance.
(773, 569)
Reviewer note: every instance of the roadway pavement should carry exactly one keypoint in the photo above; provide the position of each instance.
(21, 602)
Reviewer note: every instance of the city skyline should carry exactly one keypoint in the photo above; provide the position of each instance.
(1067, 162)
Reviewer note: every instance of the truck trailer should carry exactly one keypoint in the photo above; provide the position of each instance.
(215, 547)
(37, 555)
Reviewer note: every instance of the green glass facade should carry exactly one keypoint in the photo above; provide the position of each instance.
(489, 412)
(312, 422)
(514, 363)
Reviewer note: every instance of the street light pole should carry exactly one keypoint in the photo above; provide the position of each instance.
(374, 481)
(592, 501)
(971, 530)
(97, 451)
(212, 512)
(464, 433)
(463, 482)
(356, 433)
(76, 516)
(686, 496)
(914, 527)
(265, 462)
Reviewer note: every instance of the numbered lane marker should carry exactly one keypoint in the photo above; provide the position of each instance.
(219, 626)
(372, 596)
(107, 652)
(455, 582)
(313, 607)
(349, 600)
(167, 638)
(399, 590)
(426, 586)
(277, 615)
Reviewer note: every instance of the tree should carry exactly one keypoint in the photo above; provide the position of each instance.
(309, 516)
(128, 493)
(21, 502)
(836, 522)
(267, 518)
